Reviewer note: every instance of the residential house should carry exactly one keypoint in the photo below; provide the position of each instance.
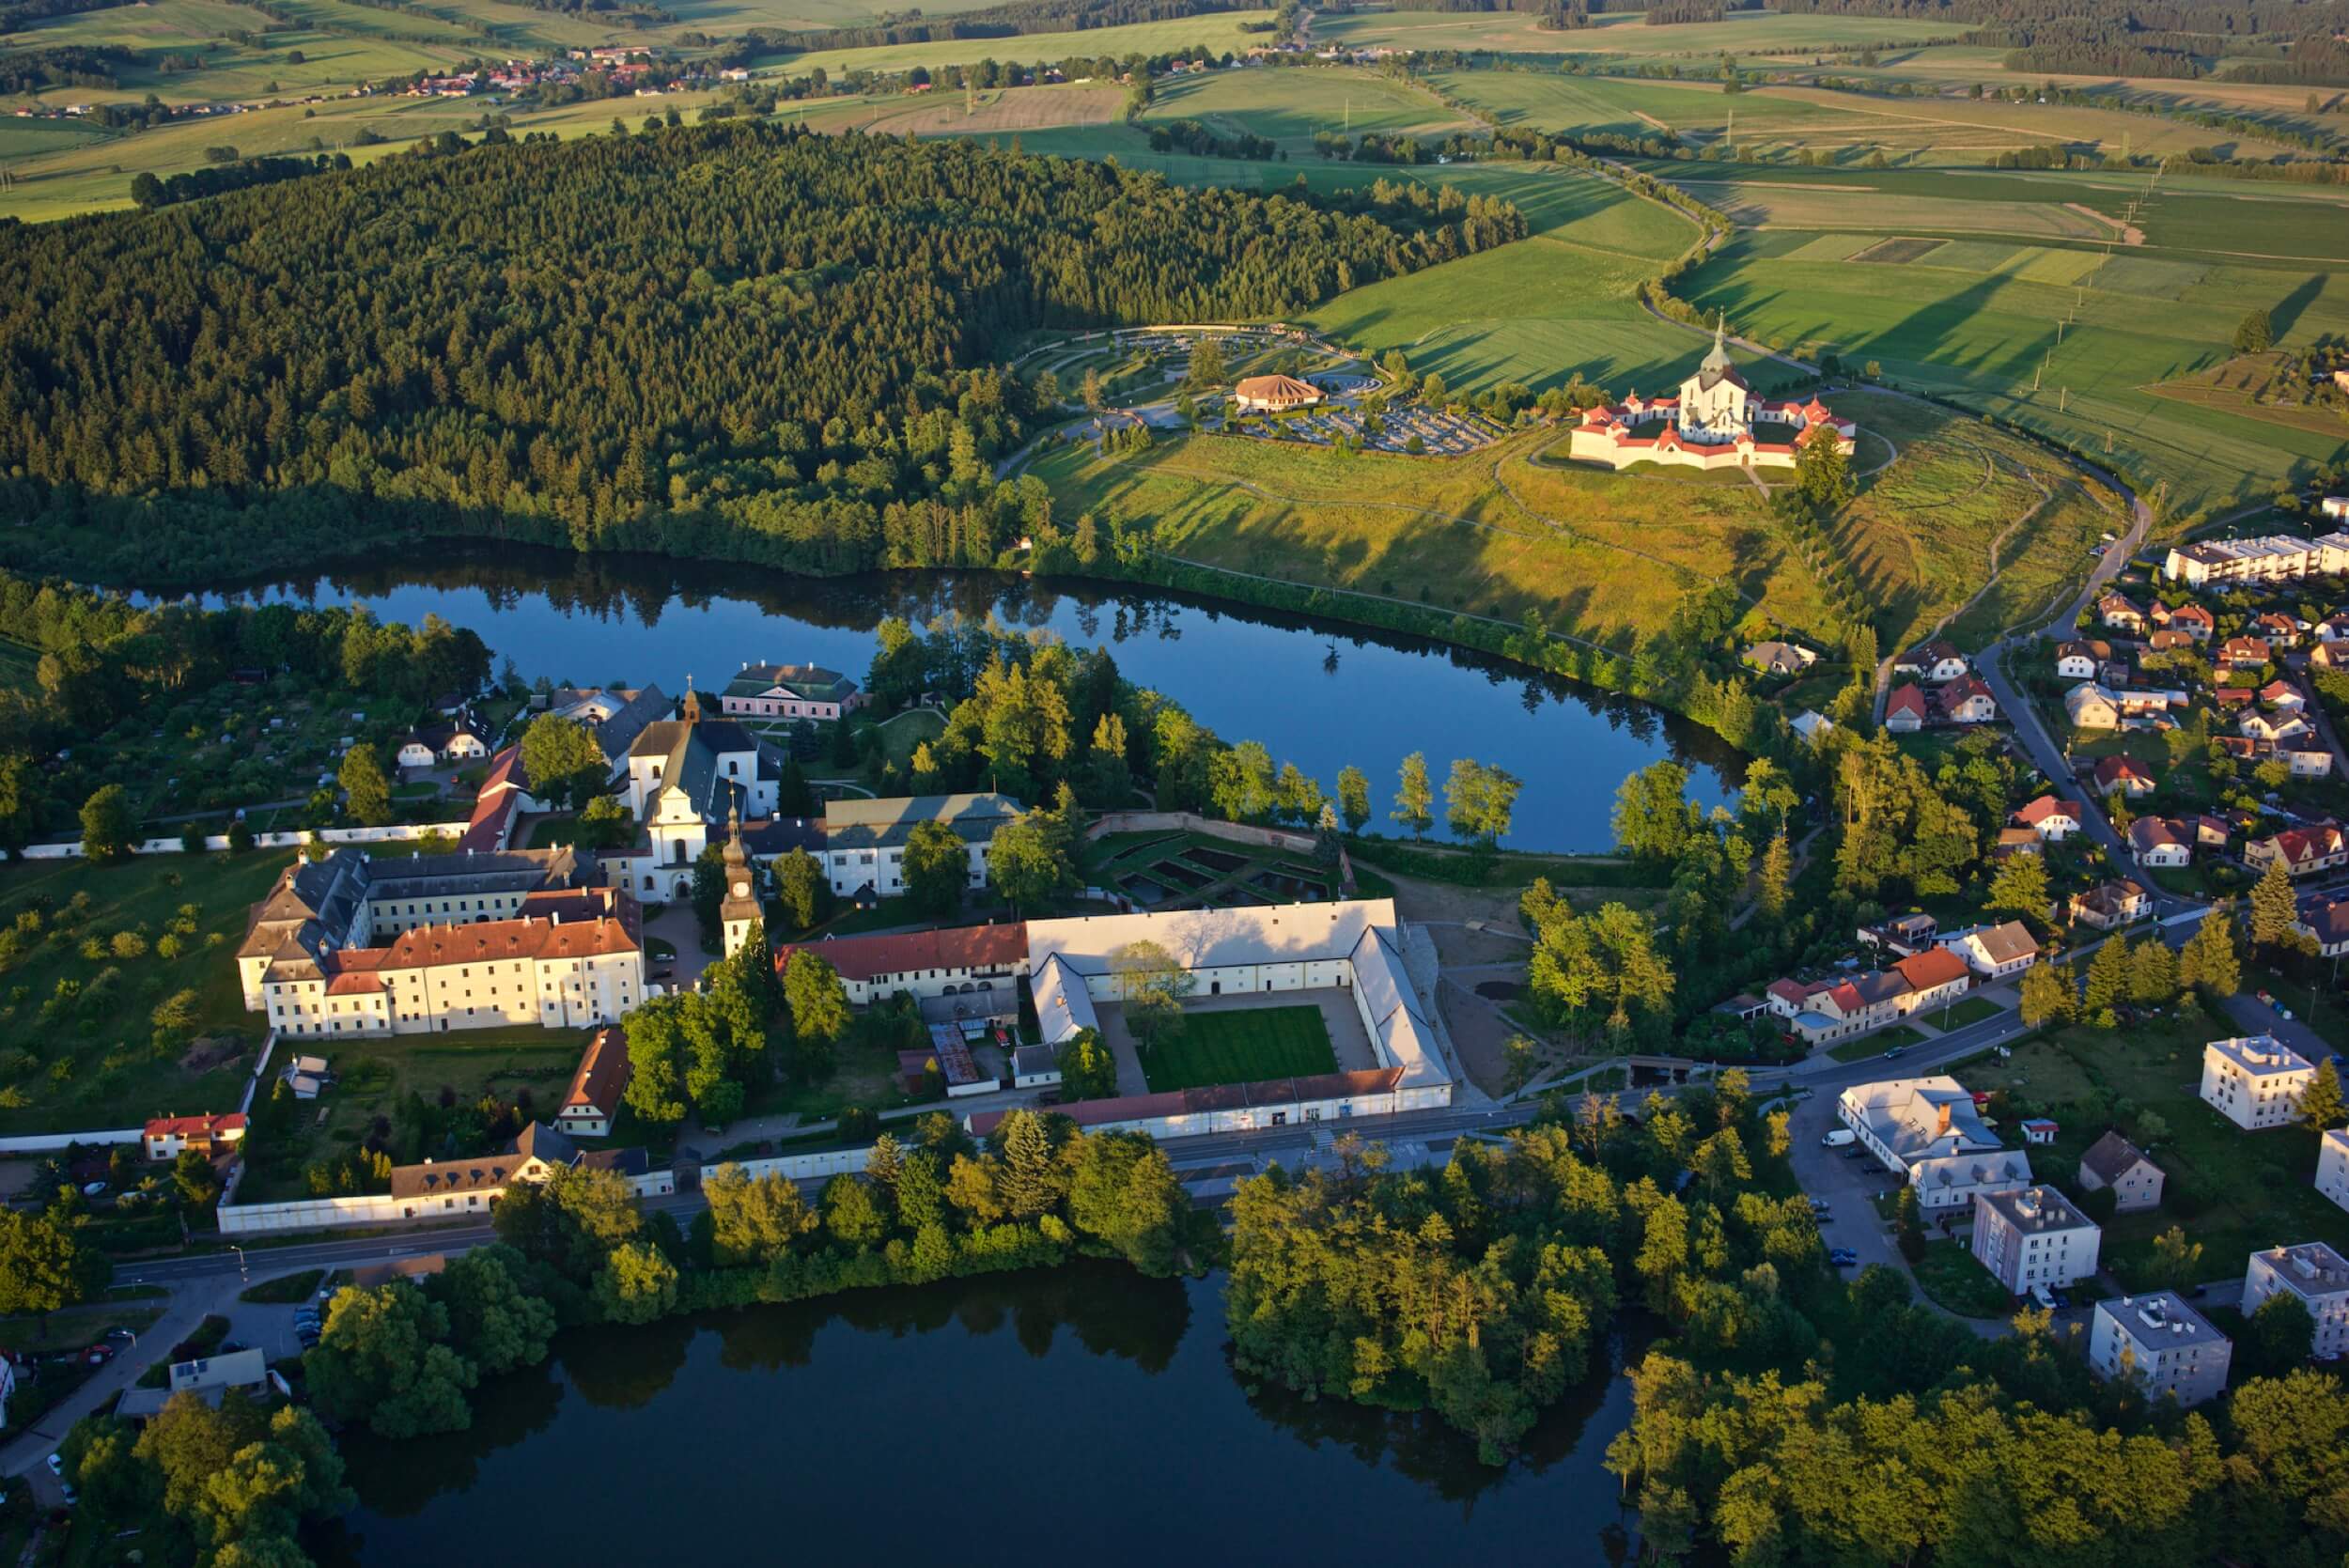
(452, 1188)
(789, 691)
(2274, 729)
(2304, 851)
(2336, 507)
(2118, 772)
(2118, 613)
(210, 1135)
(2333, 628)
(2113, 1164)
(975, 961)
(2279, 629)
(1809, 724)
(2332, 653)
(2170, 639)
(2305, 763)
(2034, 1237)
(1967, 700)
(1947, 1185)
(1937, 661)
(2163, 1343)
(2231, 696)
(2255, 1080)
(1904, 934)
(2211, 832)
(2092, 708)
(1934, 976)
(2110, 906)
(1995, 952)
(2325, 921)
(464, 738)
(2050, 816)
(1906, 710)
(2246, 653)
(2015, 841)
(1904, 1121)
(2195, 621)
(2318, 1276)
(2332, 1166)
(592, 1103)
(207, 1378)
(2157, 842)
(2283, 695)
(1780, 658)
(2081, 660)
(864, 840)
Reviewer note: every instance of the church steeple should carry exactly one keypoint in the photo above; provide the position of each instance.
(693, 712)
(1718, 358)
(738, 908)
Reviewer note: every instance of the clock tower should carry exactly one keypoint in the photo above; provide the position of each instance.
(740, 907)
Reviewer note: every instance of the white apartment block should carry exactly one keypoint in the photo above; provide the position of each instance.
(2160, 1340)
(2033, 1236)
(2255, 1080)
(2272, 558)
(2315, 1273)
(2332, 1166)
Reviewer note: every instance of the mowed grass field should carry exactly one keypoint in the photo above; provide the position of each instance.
(2075, 338)
(1211, 33)
(1243, 1046)
(1289, 105)
(1624, 33)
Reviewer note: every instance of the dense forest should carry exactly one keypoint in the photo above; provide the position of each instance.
(73, 66)
(735, 340)
(2123, 38)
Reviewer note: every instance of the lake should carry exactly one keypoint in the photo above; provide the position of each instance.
(1318, 695)
(980, 1420)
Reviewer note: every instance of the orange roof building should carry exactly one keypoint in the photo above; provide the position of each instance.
(1275, 393)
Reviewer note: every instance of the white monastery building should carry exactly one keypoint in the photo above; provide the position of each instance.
(1716, 422)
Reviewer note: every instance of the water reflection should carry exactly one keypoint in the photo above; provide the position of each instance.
(1320, 694)
(1086, 1394)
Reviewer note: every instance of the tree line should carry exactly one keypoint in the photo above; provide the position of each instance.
(734, 340)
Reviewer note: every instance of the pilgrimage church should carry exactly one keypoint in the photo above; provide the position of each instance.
(1716, 422)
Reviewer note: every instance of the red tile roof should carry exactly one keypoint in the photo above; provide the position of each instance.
(1935, 966)
(1904, 699)
(2047, 806)
(196, 1127)
(962, 947)
(603, 1072)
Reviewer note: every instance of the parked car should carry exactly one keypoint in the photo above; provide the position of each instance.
(1854, 1152)
(2043, 1297)
(1893, 1052)
(1838, 1139)
(122, 1336)
(56, 1466)
(1843, 1257)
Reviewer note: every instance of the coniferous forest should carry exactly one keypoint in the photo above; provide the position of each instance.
(736, 340)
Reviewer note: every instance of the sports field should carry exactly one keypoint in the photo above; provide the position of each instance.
(1240, 1046)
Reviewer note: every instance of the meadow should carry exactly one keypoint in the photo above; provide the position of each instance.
(1624, 33)
(1215, 32)
(1289, 106)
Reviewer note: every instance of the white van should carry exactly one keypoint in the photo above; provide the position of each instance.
(1840, 1138)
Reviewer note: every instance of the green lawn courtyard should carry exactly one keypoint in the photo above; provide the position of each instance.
(1243, 1046)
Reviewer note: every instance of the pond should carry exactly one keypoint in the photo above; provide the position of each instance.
(990, 1420)
(1318, 695)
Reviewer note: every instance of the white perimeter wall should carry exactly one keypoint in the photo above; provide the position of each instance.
(400, 833)
(319, 1214)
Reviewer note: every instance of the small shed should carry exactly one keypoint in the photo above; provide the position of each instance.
(2040, 1130)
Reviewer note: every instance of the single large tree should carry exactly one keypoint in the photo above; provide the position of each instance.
(47, 1262)
(366, 792)
(383, 1358)
(2046, 994)
(1353, 797)
(1029, 860)
(106, 823)
(2320, 1103)
(561, 756)
(819, 1012)
(495, 1320)
(2272, 910)
(1414, 797)
(1480, 800)
(1152, 986)
(2209, 959)
(800, 888)
(937, 869)
(2020, 887)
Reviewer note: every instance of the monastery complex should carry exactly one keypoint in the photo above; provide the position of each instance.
(1716, 422)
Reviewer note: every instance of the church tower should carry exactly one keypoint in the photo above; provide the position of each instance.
(739, 908)
(692, 712)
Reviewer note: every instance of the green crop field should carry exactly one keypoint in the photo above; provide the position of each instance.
(1243, 1046)
(1289, 106)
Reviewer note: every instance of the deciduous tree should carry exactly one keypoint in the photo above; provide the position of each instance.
(1414, 797)
(366, 792)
